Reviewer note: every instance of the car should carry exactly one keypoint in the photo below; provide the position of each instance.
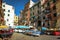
(5, 31)
(16, 30)
(37, 33)
(30, 26)
(53, 31)
(29, 32)
(19, 30)
(32, 32)
(56, 33)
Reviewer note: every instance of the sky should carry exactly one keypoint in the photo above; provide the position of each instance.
(17, 4)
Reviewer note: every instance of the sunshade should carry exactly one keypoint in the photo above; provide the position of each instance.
(3, 26)
(44, 28)
(22, 27)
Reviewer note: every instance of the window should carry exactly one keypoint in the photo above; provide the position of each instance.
(16, 17)
(38, 11)
(3, 5)
(47, 10)
(33, 13)
(33, 8)
(26, 14)
(54, 1)
(8, 15)
(55, 14)
(3, 9)
(33, 17)
(54, 8)
(30, 14)
(48, 24)
(42, 6)
(38, 17)
(44, 17)
(49, 17)
(48, 4)
(9, 24)
(38, 5)
(30, 18)
(7, 19)
(8, 10)
(45, 5)
(39, 23)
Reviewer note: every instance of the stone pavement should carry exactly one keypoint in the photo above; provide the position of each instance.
(19, 36)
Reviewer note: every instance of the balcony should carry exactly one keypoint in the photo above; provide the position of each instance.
(42, 9)
(43, 2)
(39, 18)
(54, 1)
(54, 8)
(49, 17)
(55, 14)
(52, 5)
(46, 19)
(47, 11)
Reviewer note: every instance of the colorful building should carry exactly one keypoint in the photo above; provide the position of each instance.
(43, 13)
(15, 20)
(49, 9)
(58, 12)
(21, 18)
(1, 14)
(27, 11)
(8, 14)
(35, 14)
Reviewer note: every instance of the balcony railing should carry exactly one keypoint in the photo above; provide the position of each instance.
(52, 5)
(54, 1)
(43, 2)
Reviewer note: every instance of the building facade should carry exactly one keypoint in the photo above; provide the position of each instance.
(58, 12)
(1, 14)
(49, 9)
(21, 18)
(8, 14)
(15, 20)
(35, 14)
(26, 12)
(43, 13)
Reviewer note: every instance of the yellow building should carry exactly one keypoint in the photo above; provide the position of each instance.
(58, 13)
(15, 20)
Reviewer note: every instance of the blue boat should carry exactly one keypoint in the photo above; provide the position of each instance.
(22, 27)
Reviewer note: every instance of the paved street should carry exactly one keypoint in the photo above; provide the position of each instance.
(19, 36)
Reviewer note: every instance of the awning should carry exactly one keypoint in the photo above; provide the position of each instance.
(3, 26)
(22, 27)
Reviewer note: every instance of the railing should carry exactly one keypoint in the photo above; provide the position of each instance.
(43, 2)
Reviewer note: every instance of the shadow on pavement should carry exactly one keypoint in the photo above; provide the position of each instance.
(58, 38)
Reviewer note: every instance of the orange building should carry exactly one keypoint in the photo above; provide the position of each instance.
(27, 11)
(49, 9)
(1, 14)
